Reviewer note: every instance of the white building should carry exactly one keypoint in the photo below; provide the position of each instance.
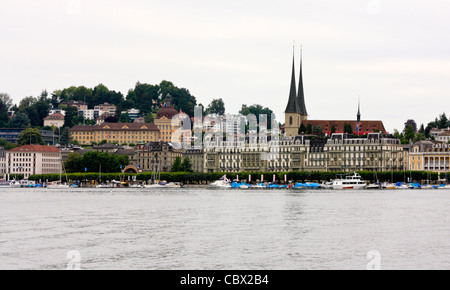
(56, 120)
(33, 159)
(444, 136)
(92, 114)
(59, 111)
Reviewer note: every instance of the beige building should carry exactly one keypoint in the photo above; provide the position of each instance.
(122, 133)
(146, 156)
(33, 159)
(339, 153)
(108, 108)
(166, 126)
(430, 156)
(56, 120)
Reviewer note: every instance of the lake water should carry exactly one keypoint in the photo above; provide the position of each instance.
(224, 229)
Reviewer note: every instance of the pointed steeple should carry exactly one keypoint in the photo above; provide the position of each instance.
(358, 116)
(301, 95)
(292, 106)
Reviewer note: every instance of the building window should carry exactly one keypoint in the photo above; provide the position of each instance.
(290, 120)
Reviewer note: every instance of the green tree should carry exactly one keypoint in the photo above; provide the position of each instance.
(65, 137)
(443, 121)
(348, 128)
(71, 118)
(317, 130)
(258, 110)
(5, 144)
(217, 107)
(409, 133)
(309, 129)
(124, 118)
(333, 129)
(4, 119)
(110, 162)
(73, 164)
(422, 129)
(186, 166)
(30, 136)
(410, 123)
(6, 100)
(26, 103)
(149, 118)
(20, 120)
(177, 165)
(302, 129)
(102, 142)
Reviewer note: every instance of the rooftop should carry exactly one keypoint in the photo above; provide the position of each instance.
(117, 127)
(35, 148)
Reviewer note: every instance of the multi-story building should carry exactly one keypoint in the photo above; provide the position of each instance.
(133, 114)
(110, 109)
(372, 153)
(92, 114)
(12, 135)
(149, 154)
(430, 156)
(444, 136)
(196, 157)
(164, 122)
(56, 120)
(339, 153)
(122, 133)
(2, 162)
(33, 159)
(81, 106)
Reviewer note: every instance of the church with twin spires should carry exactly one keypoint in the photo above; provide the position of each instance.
(296, 114)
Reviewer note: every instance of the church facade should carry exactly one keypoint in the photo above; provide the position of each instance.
(296, 115)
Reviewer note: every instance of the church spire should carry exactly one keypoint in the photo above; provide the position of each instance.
(359, 111)
(301, 95)
(292, 106)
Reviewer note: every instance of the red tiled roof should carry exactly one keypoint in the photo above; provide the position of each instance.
(364, 127)
(55, 116)
(118, 127)
(35, 148)
(446, 133)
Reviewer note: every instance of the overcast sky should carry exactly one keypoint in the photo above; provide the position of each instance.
(394, 54)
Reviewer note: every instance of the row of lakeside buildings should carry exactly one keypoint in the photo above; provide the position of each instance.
(338, 153)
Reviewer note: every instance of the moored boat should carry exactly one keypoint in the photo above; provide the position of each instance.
(354, 181)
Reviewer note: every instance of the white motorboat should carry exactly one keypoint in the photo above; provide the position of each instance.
(374, 186)
(156, 185)
(403, 186)
(223, 182)
(354, 181)
(10, 184)
(57, 185)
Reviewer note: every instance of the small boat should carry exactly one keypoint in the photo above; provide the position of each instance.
(10, 184)
(354, 181)
(258, 186)
(223, 182)
(390, 186)
(376, 185)
(57, 185)
(427, 186)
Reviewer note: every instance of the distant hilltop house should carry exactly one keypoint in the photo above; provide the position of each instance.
(55, 120)
(444, 136)
(296, 115)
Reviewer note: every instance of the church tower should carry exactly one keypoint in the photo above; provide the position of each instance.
(301, 94)
(292, 113)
